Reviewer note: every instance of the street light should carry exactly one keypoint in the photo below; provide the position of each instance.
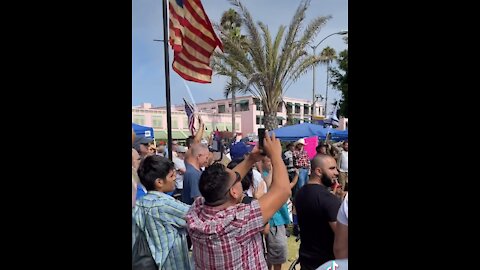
(313, 92)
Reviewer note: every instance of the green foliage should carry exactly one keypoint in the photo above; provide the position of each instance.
(265, 66)
(339, 81)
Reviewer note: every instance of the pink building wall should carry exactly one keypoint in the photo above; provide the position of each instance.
(146, 115)
(219, 111)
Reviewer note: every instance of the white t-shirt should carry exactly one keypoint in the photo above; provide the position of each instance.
(342, 215)
(344, 162)
(257, 178)
(289, 155)
(179, 164)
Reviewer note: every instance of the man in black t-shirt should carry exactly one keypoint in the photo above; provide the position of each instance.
(317, 210)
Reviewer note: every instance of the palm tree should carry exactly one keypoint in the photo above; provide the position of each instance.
(265, 70)
(327, 55)
(339, 79)
(230, 25)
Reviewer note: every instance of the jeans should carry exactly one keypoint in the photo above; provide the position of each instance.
(302, 178)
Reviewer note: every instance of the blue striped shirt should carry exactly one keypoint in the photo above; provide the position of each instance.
(165, 229)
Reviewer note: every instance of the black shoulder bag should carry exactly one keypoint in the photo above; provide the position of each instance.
(141, 255)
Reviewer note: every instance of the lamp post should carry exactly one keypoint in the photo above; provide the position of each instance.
(313, 92)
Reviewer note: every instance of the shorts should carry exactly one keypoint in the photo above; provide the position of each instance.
(277, 245)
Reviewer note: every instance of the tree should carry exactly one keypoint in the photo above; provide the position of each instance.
(327, 55)
(230, 26)
(265, 70)
(340, 81)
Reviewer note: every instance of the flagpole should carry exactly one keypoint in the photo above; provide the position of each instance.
(167, 79)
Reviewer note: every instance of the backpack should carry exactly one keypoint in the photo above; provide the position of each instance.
(141, 255)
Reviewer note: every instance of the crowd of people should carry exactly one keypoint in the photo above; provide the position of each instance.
(200, 211)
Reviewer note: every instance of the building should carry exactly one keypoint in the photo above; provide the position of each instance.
(147, 115)
(343, 123)
(252, 115)
(248, 111)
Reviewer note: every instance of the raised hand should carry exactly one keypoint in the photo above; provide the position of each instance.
(272, 146)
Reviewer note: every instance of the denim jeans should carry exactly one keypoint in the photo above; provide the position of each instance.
(302, 178)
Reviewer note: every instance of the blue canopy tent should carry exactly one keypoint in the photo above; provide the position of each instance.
(295, 132)
(337, 135)
(143, 131)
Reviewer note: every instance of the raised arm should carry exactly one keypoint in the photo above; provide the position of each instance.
(294, 180)
(340, 245)
(268, 178)
(279, 191)
(199, 134)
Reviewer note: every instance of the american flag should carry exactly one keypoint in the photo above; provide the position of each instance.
(192, 39)
(191, 116)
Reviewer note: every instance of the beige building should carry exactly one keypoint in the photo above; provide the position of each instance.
(217, 114)
(147, 115)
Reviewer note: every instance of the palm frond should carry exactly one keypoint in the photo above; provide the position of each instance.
(256, 46)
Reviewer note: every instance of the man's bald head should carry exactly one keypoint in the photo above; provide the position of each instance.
(324, 170)
(319, 160)
(198, 148)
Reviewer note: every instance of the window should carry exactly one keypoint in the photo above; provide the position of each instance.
(297, 108)
(139, 119)
(242, 106)
(157, 121)
(258, 120)
(221, 108)
(257, 103)
(185, 122)
(289, 107)
(181, 122)
(237, 125)
(174, 122)
(306, 109)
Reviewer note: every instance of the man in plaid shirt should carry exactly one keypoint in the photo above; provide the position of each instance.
(225, 232)
(302, 162)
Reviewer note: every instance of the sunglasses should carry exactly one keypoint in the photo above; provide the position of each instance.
(237, 179)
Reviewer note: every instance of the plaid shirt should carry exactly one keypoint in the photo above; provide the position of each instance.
(302, 160)
(165, 229)
(228, 238)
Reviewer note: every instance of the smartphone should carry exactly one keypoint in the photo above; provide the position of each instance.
(261, 136)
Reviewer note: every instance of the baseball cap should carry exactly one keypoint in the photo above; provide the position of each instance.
(141, 140)
(239, 149)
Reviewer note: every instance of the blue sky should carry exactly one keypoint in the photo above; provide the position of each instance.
(148, 83)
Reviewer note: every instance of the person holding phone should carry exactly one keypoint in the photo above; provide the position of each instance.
(223, 230)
